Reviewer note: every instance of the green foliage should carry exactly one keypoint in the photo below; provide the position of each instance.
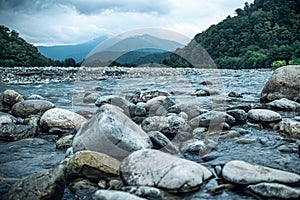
(15, 51)
(295, 61)
(278, 63)
(261, 33)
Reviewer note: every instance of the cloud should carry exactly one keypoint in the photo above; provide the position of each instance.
(75, 21)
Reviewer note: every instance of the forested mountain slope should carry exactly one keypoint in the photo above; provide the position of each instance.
(260, 33)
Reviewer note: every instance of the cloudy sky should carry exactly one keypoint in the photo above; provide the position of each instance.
(50, 22)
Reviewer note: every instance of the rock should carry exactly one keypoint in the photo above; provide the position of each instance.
(111, 132)
(116, 195)
(113, 100)
(145, 192)
(60, 118)
(239, 115)
(154, 168)
(169, 126)
(10, 98)
(160, 141)
(60, 132)
(274, 191)
(159, 105)
(32, 120)
(146, 96)
(137, 110)
(241, 172)
(284, 83)
(200, 133)
(212, 118)
(201, 93)
(64, 142)
(5, 119)
(13, 132)
(229, 135)
(35, 97)
(193, 146)
(92, 165)
(83, 188)
(207, 82)
(43, 185)
(284, 104)
(205, 92)
(30, 107)
(288, 127)
(192, 110)
(115, 184)
(183, 115)
(90, 98)
(263, 115)
(235, 94)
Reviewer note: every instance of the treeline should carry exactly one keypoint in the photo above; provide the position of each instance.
(15, 51)
(263, 34)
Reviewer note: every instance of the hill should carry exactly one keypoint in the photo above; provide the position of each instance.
(260, 34)
(15, 51)
(77, 51)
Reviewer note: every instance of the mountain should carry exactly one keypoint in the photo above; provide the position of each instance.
(133, 50)
(143, 56)
(15, 51)
(261, 34)
(77, 52)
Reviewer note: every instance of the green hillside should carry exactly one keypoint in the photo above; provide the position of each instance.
(15, 51)
(260, 34)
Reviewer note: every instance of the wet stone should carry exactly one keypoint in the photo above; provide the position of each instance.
(154, 168)
(263, 115)
(116, 195)
(241, 172)
(274, 191)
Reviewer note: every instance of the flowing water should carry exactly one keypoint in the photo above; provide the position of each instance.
(258, 145)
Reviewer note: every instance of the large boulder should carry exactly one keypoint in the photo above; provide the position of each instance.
(48, 184)
(169, 126)
(12, 132)
(241, 172)
(154, 168)
(111, 132)
(284, 104)
(9, 98)
(274, 191)
(116, 195)
(263, 115)
(288, 127)
(60, 118)
(92, 165)
(28, 107)
(284, 83)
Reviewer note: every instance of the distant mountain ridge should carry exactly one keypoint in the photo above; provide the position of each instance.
(78, 51)
(133, 50)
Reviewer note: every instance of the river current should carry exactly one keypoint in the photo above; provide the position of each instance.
(257, 145)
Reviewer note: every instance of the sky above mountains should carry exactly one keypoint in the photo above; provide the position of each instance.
(52, 22)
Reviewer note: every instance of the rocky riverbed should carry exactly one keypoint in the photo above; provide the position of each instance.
(149, 133)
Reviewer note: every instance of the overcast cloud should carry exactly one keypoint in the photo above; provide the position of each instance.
(52, 22)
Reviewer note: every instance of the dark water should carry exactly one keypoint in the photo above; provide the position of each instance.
(258, 145)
